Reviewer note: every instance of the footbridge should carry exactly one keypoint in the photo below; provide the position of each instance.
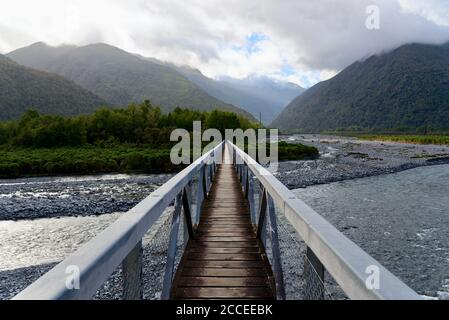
(223, 228)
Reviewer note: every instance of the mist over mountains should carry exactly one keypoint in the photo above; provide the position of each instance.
(119, 77)
(257, 95)
(406, 89)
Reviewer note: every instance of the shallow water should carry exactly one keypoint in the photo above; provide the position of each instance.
(33, 242)
(401, 219)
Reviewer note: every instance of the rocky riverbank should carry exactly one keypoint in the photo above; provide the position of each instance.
(32, 198)
(344, 158)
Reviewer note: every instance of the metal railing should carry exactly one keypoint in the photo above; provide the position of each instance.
(121, 243)
(327, 249)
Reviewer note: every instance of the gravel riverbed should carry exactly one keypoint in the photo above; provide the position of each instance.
(349, 158)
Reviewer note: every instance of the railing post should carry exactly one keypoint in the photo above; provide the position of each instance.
(171, 254)
(211, 174)
(277, 263)
(252, 209)
(201, 194)
(204, 182)
(132, 274)
(247, 177)
(261, 225)
(314, 277)
(245, 180)
(187, 214)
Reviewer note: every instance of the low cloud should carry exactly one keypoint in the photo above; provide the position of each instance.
(312, 40)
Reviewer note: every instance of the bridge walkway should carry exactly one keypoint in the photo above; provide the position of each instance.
(225, 260)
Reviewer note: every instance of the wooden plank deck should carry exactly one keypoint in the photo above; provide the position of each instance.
(225, 260)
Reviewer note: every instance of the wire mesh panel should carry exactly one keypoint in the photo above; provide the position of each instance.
(155, 256)
(153, 260)
(132, 274)
(304, 276)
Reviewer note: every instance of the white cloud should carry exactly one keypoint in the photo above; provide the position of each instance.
(315, 39)
(436, 11)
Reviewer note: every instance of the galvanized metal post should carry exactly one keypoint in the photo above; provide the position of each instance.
(187, 193)
(199, 195)
(187, 214)
(252, 209)
(132, 274)
(203, 175)
(244, 177)
(210, 176)
(171, 253)
(277, 262)
(261, 225)
(314, 277)
(247, 178)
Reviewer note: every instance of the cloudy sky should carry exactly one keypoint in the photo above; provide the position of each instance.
(301, 41)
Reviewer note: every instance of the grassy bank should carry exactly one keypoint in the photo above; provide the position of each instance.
(18, 162)
(295, 151)
(418, 139)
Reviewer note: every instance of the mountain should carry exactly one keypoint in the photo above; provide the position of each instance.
(120, 77)
(405, 89)
(255, 94)
(23, 88)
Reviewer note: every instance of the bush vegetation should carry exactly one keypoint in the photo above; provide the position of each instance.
(135, 139)
(418, 139)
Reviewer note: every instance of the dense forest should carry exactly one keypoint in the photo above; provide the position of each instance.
(135, 139)
(137, 124)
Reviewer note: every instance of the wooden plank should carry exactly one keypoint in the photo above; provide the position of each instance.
(224, 256)
(226, 229)
(217, 244)
(225, 264)
(223, 282)
(204, 234)
(216, 272)
(225, 250)
(225, 221)
(225, 239)
(237, 218)
(223, 293)
(226, 216)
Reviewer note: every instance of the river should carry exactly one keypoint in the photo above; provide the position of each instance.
(401, 219)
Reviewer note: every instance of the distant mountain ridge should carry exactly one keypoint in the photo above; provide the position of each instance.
(405, 89)
(23, 88)
(119, 77)
(256, 95)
